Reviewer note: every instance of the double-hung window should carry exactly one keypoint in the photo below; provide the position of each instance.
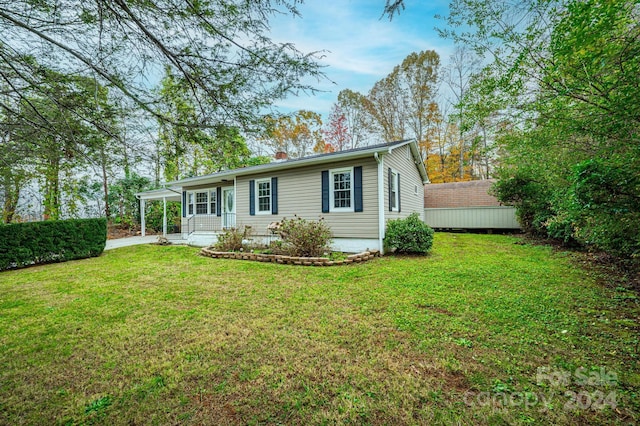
(202, 201)
(190, 202)
(213, 200)
(263, 200)
(341, 192)
(393, 191)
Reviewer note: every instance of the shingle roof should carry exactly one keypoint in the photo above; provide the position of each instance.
(295, 162)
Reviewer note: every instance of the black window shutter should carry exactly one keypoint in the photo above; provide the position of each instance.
(398, 189)
(325, 191)
(219, 201)
(357, 189)
(274, 195)
(389, 178)
(252, 197)
(184, 203)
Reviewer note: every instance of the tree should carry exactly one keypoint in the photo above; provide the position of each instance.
(401, 103)
(336, 134)
(566, 76)
(463, 64)
(59, 139)
(357, 121)
(418, 72)
(296, 135)
(385, 104)
(220, 49)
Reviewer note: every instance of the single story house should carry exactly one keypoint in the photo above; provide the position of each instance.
(355, 191)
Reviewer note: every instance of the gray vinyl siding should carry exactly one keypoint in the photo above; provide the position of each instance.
(300, 193)
(410, 178)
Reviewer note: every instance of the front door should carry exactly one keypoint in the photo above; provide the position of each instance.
(228, 208)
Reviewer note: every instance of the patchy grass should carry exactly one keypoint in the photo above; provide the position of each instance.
(479, 332)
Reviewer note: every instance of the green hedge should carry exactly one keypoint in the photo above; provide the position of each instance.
(408, 235)
(24, 244)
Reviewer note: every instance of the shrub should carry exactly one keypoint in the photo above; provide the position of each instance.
(23, 244)
(301, 237)
(409, 235)
(232, 239)
(154, 213)
(531, 198)
(606, 207)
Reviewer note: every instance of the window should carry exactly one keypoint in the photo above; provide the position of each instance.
(393, 191)
(190, 202)
(213, 200)
(341, 190)
(202, 202)
(263, 189)
(263, 196)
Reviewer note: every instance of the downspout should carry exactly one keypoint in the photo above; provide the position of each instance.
(381, 222)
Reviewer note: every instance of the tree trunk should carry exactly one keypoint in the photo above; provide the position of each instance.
(105, 185)
(52, 190)
(11, 197)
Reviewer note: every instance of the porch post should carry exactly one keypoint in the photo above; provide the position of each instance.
(164, 217)
(142, 224)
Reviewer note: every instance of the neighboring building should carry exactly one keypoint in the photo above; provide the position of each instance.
(354, 191)
(466, 205)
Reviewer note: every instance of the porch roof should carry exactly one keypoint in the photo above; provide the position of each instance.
(170, 194)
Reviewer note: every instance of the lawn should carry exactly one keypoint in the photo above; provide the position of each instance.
(485, 330)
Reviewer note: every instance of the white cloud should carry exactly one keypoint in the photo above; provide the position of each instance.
(358, 47)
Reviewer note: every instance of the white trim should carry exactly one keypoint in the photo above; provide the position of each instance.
(333, 209)
(256, 201)
(224, 207)
(381, 209)
(195, 203)
(397, 194)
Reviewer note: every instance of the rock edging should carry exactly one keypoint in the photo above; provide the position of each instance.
(291, 260)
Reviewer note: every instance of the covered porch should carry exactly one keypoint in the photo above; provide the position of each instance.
(193, 225)
(165, 195)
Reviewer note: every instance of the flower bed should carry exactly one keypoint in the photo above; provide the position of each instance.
(290, 260)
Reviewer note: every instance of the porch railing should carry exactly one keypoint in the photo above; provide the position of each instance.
(207, 223)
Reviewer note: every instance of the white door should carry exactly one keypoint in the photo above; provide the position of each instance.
(228, 208)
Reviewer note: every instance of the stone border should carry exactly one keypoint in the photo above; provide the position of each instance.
(291, 260)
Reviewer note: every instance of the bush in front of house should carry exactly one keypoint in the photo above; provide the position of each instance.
(409, 235)
(24, 244)
(305, 238)
(232, 239)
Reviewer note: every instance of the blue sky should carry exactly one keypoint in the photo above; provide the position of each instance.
(359, 47)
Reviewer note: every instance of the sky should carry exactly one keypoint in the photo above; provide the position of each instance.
(359, 46)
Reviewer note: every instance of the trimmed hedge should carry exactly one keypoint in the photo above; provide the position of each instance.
(24, 244)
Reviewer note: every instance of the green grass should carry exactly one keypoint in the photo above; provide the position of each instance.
(159, 335)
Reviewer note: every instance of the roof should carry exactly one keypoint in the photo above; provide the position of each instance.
(159, 194)
(309, 160)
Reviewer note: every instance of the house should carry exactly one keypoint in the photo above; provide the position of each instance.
(355, 191)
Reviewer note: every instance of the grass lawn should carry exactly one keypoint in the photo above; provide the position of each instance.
(482, 331)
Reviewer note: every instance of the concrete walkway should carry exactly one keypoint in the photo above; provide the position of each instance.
(130, 241)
